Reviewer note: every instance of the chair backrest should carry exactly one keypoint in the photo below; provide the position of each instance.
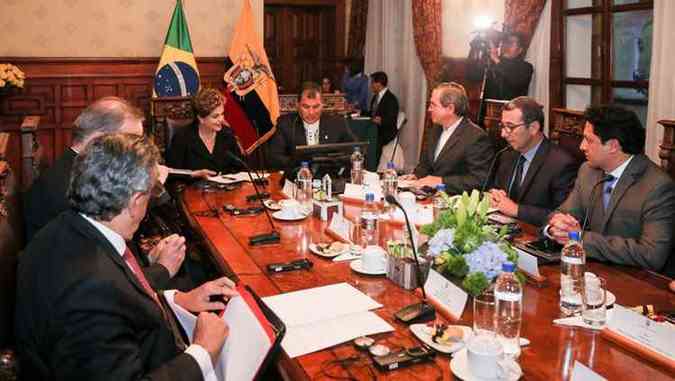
(11, 241)
(165, 114)
(567, 130)
(401, 120)
(667, 148)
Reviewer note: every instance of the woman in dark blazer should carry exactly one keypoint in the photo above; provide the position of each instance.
(202, 147)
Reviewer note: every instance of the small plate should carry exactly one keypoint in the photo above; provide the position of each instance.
(271, 204)
(280, 216)
(330, 254)
(423, 332)
(356, 266)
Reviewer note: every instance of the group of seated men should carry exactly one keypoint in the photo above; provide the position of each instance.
(86, 309)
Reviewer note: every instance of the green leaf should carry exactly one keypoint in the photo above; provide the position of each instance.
(473, 202)
(456, 266)
(475, 283)
(460, 213)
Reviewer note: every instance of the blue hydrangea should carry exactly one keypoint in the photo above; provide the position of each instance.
(487, 258)
(441, 242)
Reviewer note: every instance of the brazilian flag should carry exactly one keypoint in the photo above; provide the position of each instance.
(177, 73)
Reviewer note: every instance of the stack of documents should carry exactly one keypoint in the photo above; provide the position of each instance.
(321, 317)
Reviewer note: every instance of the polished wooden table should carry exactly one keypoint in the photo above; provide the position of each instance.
(550, 356)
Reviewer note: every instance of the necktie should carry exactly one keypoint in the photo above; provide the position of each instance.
(131, 261)
(517, 179)
(607, 190)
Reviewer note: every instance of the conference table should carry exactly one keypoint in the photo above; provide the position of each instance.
(550, 356)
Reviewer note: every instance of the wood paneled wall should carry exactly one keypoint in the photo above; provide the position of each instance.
(58, 89)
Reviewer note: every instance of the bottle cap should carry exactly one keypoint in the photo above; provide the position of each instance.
(575, 236)
(390, 165)
(357, 149)
(370, 197)
(508, 267)
(440, 187)
(304, 164)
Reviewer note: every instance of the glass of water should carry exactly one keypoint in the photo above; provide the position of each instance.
(594, 298)
(484, 314)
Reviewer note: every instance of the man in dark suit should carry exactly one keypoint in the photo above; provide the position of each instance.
(85, 309)
(383, 110)
(626, 202)
(457, 152)
(47, 197)
(536, 176)
(306, 127)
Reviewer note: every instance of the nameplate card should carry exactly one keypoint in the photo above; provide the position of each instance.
(528, 263)
(581, 372)
(341, 227)
(659, 337)
(289, 189)
(445, 294)
(358, 191)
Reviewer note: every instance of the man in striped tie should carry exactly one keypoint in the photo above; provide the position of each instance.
(623, 200)
(85, 309)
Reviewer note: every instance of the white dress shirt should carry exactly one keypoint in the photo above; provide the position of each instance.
(445, 135)
(311, 132)
(378, 98)
(199, 353)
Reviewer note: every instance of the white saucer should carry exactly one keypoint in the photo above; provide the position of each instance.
(423, 332)
(356, 266)
(314, 249)
(280, 216)
(459, 365)
(271, 204)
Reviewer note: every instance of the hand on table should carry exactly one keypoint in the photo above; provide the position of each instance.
(429, 181)
(560, 225)
(500, 200)
(204, 173)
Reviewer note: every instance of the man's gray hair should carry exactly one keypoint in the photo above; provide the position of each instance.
(105, 115)
(452, 93)
(109, 171)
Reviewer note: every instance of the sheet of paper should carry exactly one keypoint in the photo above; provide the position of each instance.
(319, 304)
(358, 192)
(528, 262)
(581, 372)
(176, 171)
(308, 338)
(341, 226)
(421, 215)
(659, 337)
(232, 178)
(445, 293)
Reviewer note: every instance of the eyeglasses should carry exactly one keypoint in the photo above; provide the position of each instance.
(511, 127)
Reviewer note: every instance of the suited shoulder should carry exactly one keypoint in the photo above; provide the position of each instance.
(287, 120)
(657, 173)
(472, 128)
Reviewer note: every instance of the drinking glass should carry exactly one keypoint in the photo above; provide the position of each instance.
(484, 314)
(594, 298)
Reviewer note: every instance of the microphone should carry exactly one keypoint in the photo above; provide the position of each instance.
(492, 166)
(418, 312)
(265, 238)
(589, 210)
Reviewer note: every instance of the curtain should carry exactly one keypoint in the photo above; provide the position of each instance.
(357, 28)
(390, 47)
(522, 16)
(662, 76)
(539, 55)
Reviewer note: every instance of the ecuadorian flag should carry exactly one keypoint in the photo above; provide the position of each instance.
(177, 73)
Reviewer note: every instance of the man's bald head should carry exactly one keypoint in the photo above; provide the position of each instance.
(104, 116)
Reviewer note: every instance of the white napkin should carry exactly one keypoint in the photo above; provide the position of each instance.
(575, 321)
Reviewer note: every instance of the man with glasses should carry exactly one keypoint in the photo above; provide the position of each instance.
(508, 74)
(536, 176)
(457, 153)
(623, 201)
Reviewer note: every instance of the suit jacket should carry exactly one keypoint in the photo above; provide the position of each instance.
(187, 151)
(81, 313)
(291, 133)
(48, 197)
(548, 181)
(637, 227)
(387, 109)
(464, 161)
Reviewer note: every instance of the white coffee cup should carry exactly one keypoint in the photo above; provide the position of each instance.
(373, 259)
(483, 354)
(407, 201)
(290, 208)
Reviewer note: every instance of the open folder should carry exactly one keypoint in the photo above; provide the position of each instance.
(255, 334)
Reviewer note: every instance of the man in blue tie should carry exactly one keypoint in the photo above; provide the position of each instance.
(624, 201)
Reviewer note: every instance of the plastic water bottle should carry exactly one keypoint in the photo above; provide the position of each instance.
(389, 184)
(357, 166)
(572, 268)
(368, 222)
(304, 192)
(439, 202)
(508, 309)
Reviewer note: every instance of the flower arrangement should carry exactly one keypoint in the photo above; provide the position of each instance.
(11, 75)
(465, 246)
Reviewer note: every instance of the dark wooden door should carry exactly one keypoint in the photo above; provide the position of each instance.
(300, 41)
